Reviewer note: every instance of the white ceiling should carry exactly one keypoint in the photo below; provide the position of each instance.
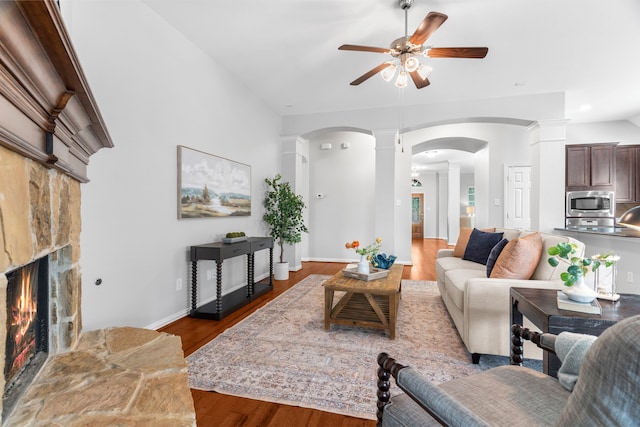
(286, 51)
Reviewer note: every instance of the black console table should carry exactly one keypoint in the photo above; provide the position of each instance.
(218, 252)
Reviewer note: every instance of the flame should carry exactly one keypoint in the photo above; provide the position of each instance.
(23, 312)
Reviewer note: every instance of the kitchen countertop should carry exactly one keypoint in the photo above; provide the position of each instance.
(603, 231)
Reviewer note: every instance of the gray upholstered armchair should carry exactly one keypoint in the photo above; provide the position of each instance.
(606, 391)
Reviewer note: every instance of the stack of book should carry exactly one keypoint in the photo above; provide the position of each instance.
(564, 303)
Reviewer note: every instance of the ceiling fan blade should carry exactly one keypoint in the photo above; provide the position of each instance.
(458, 52)
(428, 25)
(418, 80)
(370, 73)
(364, 48)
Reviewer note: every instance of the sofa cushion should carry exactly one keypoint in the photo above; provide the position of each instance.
(480, 245)
(463, 239)
(510, 233)
(545, 271)
(519, 396)
(494, 254)
(606, 393)
(519, 258)
(454, 281)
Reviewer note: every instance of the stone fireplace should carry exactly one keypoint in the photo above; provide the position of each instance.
(40, 216)
(49, 127)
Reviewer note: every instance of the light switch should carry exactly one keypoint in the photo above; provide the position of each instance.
(496, 202)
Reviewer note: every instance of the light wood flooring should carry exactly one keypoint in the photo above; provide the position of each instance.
(215, 409)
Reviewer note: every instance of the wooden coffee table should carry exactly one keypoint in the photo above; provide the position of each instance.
(372, 304)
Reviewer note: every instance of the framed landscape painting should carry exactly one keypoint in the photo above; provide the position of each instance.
(211, 186)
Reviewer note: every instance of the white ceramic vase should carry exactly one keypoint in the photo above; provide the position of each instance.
(580, 292)
(363, 265)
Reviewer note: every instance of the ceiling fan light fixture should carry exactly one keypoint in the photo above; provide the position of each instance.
(401, 81)
(388, 73)
(411, 64)
(424, 71)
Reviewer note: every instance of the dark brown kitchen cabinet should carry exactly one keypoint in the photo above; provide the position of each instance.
(590, 167)
(627, 174)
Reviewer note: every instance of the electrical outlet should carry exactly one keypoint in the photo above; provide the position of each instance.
(630, 277)
(179, 284)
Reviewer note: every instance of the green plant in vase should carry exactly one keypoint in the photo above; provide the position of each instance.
(578, 267)
(283, 214)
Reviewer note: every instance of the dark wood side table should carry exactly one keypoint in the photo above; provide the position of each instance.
(218, 252)
(541, 308)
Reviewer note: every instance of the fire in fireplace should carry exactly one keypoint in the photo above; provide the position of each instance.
(27, 327)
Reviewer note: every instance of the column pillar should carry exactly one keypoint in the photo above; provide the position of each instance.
(295, 170)
(548, 140)
(453, 204)
(384, 215)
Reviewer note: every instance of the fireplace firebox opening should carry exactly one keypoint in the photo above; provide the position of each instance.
(27, 342)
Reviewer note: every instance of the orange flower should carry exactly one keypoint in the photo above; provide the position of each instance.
(369, 251)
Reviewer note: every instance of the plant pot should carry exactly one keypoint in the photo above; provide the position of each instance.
(580, 292)
(281, 271)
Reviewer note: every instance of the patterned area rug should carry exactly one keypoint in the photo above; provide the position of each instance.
(281, 353)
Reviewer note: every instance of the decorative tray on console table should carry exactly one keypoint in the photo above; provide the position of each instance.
(374, 273)
(228, 240)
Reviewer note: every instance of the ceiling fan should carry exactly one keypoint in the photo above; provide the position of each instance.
(406, 49)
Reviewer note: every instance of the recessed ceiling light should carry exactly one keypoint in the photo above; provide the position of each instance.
(585, 107)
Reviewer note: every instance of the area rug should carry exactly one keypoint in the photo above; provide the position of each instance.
(281, 353)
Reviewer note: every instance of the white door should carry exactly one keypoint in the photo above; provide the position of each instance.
(518, 195)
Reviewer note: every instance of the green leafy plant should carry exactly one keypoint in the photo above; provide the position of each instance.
(283, 213)
(578, 267)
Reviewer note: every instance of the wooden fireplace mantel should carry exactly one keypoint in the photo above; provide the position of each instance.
(47, 110)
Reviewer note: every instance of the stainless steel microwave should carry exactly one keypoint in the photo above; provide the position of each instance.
(593, 204)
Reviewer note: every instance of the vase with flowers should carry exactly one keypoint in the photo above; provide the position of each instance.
(366, 253)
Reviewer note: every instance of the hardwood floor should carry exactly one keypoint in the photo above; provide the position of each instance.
(215, 409)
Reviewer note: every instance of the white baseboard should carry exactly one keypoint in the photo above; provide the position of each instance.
(185, 312)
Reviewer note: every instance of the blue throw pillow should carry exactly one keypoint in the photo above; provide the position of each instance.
(494, 254)
(480, 245)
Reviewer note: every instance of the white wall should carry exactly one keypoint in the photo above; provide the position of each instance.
(345, 177)
(621, 131)
(156, 91)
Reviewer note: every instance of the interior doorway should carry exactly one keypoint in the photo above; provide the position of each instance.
(417, 216)
(517, 212)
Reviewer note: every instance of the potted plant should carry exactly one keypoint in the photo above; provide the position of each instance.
(283, 214)
(577, 270)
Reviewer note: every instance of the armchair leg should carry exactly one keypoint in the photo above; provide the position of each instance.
(475, 358)
(388, 367)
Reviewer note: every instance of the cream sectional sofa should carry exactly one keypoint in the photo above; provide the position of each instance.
(480, 306)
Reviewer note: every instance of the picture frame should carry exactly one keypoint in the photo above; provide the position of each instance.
(210, 186)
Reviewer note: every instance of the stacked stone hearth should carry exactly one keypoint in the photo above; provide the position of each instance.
(49, 127)
(113, 377)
